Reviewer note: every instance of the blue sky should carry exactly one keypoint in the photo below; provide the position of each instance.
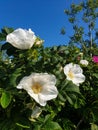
(44, 17)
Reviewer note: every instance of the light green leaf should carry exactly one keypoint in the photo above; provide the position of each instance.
(95, 75)
(23, 123)
(94, 126)
(5, 99)
(23, 126)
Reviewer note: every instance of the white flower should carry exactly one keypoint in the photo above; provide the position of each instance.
(74, 72)
(40, 86)
(84, 62)
(21, 39)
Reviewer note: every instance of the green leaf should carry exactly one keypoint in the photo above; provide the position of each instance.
(70, 87)
(37, 127)
(95, 75)
(6, 46)
(23, 126)
(5, 99)
(14, 76)
(94, 126)
(61, 97)
(69, 99)
(7, 30)
(2, 37)
(23, 123)
(50, 125)
(10, 49)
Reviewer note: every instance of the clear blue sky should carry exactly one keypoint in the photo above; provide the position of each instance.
(44, 17)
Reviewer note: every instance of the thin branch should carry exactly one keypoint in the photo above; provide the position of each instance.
(79, 123)
(91, 39)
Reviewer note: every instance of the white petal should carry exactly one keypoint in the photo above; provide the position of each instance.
(33, 95)
(20, 86)
(67, 68)
(25, 83)
(37, 98)
(79, 78)
(21, 39)
(76, 69)
(42, 102)
(49, 92)
(44, 78)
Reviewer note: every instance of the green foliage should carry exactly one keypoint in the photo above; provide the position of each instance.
(73, 102)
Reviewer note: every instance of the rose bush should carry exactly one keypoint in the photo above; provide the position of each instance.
(45, 88)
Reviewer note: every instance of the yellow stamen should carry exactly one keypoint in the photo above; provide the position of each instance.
(37, 88)
(70, 74)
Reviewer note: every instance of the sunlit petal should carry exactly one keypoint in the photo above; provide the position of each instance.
(21, 38)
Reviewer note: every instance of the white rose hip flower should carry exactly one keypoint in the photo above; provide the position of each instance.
(84, 62)
(21, 38)
(40, 86)
(74, 72)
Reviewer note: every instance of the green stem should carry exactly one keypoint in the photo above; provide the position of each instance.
(79, 123)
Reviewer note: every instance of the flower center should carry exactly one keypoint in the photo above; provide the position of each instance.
(37, 88)
(70, 74)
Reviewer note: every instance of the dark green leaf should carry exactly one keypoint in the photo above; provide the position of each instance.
(2, 37)
(62, 98)
(6, 46)
(69, 99)
(50, 125)
(7, 30)
(14, 77)
(70, 87)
